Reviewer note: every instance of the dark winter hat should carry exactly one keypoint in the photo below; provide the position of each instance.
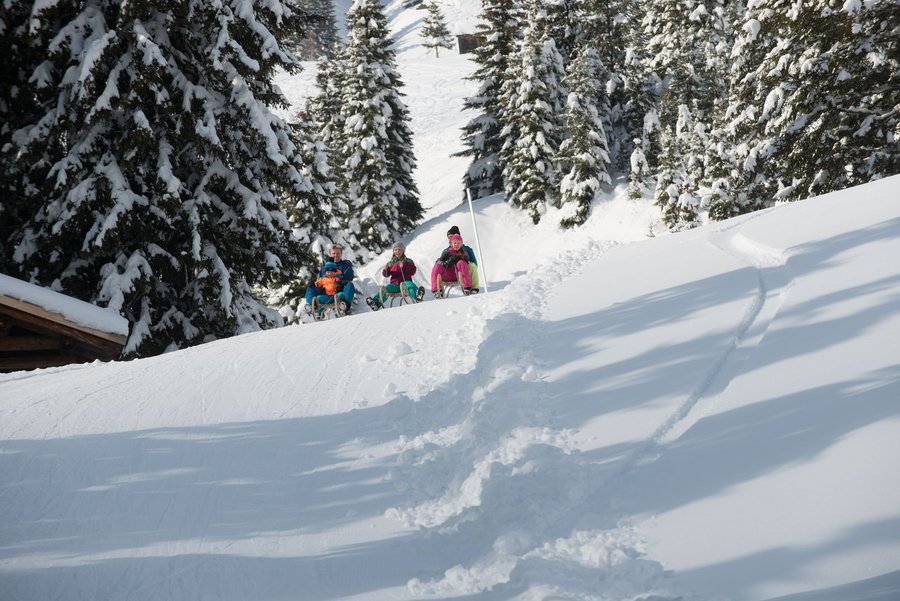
(329, 266)
(453, 230)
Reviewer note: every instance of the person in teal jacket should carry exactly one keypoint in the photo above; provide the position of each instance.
(473, 261)
(344, 270)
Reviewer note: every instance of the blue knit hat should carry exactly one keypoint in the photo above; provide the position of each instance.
(329, 266)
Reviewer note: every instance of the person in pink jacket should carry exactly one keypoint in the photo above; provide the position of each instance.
(452, 266)
(400, 269)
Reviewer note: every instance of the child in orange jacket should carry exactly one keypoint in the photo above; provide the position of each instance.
(329, 288)
(330, 283)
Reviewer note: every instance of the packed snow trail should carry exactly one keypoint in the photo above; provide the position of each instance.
(509, 419)
(774, 282)
(476, 448)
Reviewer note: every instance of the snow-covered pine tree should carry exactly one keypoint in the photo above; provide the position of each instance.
(612, 27)
(737, 132)
(435, 34)
(876, 61)
(534, 97)
(641, 88)
(814, 100)
(645, 149)
(325, 111)
(166, 167)
(500, 26)
(378, 153)
(681, 46)
(311, 216)
(564, 25)
(676, 186)
(321, 34)
(640, 171)
(401, 157)
(324, 108)
(403, 163)
(752, 183)
(719, 161)
(22, 100)
(584, 154)
(836, 110)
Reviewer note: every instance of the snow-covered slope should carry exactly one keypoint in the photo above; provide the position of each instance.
(713, 413)
(708, 415)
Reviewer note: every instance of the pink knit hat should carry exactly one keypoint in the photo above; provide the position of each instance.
(455, 237)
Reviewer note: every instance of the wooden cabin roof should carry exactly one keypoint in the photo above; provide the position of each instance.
(43, 328)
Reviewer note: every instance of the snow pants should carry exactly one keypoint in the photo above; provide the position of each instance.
(347, 294)
(473, 274)
(324, 299)
(381, 297)
(451, 274)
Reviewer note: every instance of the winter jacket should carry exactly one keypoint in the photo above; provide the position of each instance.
(331, 286)
(450, 257)
(345, 270)
(399, 270)
(468, 250)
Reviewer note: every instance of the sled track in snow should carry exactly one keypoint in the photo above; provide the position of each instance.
(773, 282)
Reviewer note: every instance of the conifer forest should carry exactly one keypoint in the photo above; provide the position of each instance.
(143, 167)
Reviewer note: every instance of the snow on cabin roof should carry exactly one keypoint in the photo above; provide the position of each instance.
(75, 311)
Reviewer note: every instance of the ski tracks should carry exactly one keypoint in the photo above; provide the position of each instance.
(774, 281)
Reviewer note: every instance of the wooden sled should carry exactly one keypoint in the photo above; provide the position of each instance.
(387, 299)
(402, 297)
(331, 310)
(444, 288)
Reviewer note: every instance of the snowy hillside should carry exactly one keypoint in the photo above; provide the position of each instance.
(703, 416)
(712, 414)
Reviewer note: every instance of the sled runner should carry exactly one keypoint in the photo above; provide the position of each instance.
(385, 298)
(402, 297)
(329, 310)
(444, 288)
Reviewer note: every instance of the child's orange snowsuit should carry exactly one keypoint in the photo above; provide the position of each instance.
(331, 285)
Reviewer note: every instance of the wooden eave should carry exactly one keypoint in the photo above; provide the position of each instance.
(51, 338)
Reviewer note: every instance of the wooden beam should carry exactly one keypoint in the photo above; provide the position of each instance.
(29, 343)
(8, 364)
(102, 347)
(60, 320)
